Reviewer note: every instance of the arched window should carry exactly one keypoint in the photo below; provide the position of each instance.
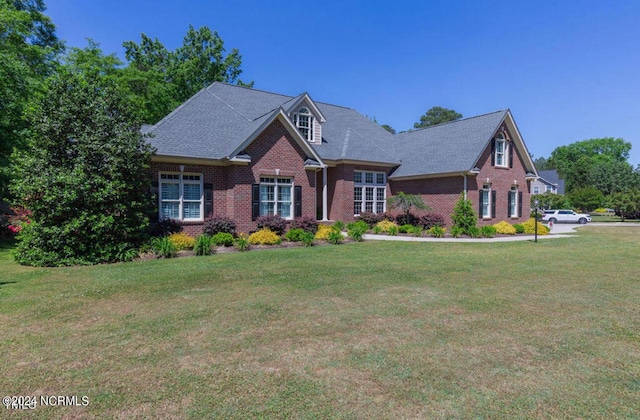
(304, 121)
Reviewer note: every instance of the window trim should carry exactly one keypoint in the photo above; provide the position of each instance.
(305, 112)
(370, 184)
(277, 184)
(514, 203)
(181, 200)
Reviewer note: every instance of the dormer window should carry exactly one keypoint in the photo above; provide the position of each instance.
(304, 121)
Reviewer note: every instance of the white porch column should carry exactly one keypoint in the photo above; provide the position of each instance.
(324, 194)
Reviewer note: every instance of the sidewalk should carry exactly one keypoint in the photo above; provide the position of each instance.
(558, 231)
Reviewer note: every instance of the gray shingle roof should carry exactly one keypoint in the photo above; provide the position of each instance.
(218, 119)
(445, 148)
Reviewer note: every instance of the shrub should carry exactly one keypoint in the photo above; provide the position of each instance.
(295, 235)
(203, 245)
(529, 227)
(456, 231)
(357, 230)
(264, 237)
(273, 222)
(430, 220)
(474, 232)
(488, 231)
(182, 241)
(163, 247)
(371, 219)
(323, 232)
(307, 238)
(84, 174)
(437, 231)
(504, 228)
(405, 228)
(463, 215)
(166, 227)
(385, 226)
(308, 224)
(242, 242)
(216, 224)
(407, 219)
(393, 230)
(4, 225)
(335, 237)
(415, 231)
(222, 239)
(519, 228)
(339, 224)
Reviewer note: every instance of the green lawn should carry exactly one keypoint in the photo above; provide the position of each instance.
(361, 330)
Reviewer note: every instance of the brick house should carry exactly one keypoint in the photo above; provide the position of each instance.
(242, 153)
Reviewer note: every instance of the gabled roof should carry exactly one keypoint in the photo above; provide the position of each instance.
(446, 148)
(219, 122)
(551, 177)
(453, 147)
(219, 119)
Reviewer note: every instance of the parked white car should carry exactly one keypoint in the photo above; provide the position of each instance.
(565, 216)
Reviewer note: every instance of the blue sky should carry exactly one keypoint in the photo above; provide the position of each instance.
(568, 70)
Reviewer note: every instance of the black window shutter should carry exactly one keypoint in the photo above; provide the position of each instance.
(208, 200)
(154, 187)
(255, 201)
(493, 152)
(480, 204)
(297, 196)
(520, 204)
(493, 204)
(509, 204)
(511, 155)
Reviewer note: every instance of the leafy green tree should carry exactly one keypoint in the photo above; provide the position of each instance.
(575, 161)
(587, 198)
(388, 128)
(85, 176)
(542, 164)
(437, 115)
(405, 202)
(163, 79)
(612, 177)
(549, 200)
(626, 204)
(464, 217)
(28, 51)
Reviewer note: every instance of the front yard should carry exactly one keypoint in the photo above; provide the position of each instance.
(361, 330)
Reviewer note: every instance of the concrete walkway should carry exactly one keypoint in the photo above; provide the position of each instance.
(559, 230)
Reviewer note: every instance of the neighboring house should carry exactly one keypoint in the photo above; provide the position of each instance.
(242, 153)
(548, 181)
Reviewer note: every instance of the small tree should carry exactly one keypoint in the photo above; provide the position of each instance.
(405, 202)
(587, 199)
(463, 216)
(85, 176)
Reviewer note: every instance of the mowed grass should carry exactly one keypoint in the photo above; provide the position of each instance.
(362, 330)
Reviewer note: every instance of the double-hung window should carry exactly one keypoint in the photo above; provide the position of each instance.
(181, 196)
(369, 192)
(487, 208)
(303, 119)
(276, 196)
(513, 202)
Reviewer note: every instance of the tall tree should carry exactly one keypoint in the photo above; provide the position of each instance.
(28, 51)
(437, 115)
(163, 79)
(85, 176)
(575, 161)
